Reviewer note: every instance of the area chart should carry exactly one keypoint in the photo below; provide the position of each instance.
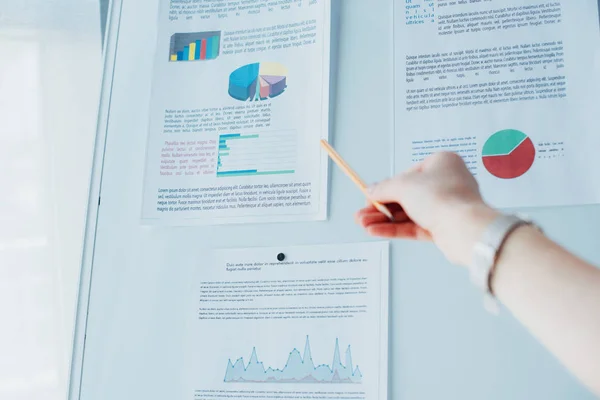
(299, 368)
(508, 154)
(258, 81)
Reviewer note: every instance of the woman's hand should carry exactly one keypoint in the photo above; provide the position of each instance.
(438, 200)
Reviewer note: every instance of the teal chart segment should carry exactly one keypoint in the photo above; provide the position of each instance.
(258, 81)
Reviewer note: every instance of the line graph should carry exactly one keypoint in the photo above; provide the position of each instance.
(298, 369)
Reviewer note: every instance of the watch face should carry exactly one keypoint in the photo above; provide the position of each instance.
(483, 261)
(485, 251)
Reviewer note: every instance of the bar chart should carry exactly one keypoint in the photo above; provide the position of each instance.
(195, 46)
(264, 153)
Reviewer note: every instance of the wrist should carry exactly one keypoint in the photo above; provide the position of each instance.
(463, 228)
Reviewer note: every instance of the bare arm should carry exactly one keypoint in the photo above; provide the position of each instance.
(553, 293)
(556, 296)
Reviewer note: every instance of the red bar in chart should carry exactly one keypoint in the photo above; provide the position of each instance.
(203, 50)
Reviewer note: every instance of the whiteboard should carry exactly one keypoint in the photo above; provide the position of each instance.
(443, 344)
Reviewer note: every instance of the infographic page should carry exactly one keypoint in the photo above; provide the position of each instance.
(240, 100)
(306, 322)
(509, 85)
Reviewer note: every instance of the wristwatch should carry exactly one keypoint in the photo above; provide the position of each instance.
(486, 251)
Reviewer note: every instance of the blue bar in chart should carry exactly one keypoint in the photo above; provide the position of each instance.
(197, 52)
(264, 153)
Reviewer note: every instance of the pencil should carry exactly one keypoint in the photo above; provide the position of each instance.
(355, 178)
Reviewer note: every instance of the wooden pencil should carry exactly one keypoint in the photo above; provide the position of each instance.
(355, 178)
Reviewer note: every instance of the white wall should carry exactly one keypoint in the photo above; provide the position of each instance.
(50, 63)
(444, 345)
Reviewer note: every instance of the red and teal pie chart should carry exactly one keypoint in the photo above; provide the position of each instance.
(508, 154)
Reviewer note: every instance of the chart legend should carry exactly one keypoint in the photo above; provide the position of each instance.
(195, 46)
(264, 153)
(258, 81)
(508, 154)
(299, 368)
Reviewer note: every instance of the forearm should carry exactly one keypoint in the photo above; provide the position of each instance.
(556, 296)
(550, 291)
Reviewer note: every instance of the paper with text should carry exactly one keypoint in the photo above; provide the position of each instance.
(314, 324)
(510, 85)
(240, 100)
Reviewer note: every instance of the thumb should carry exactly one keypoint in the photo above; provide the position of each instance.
(386, 191)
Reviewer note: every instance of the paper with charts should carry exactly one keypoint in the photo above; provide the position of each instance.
(240, 100)
(512, 86)
(314, 325)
